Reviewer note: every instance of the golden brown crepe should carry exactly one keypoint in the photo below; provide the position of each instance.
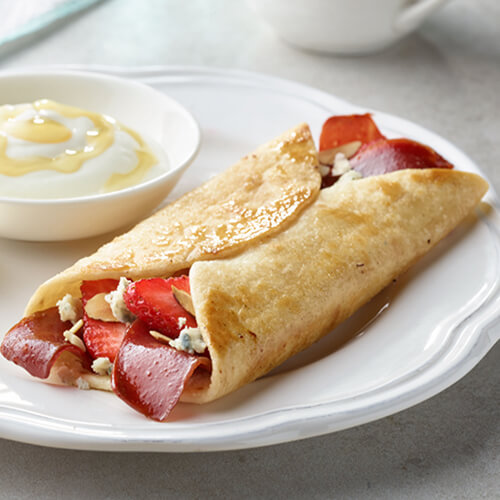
(274, 264)
(257, 309)
(257, 196)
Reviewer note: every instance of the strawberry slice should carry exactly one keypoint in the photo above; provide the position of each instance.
(388, 155)
(153, 301)
(339, 130)
(102, 338)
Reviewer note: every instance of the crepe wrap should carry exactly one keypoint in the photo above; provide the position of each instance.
(259, 308)
(274, 264)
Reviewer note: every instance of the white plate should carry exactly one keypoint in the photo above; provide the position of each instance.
(413, 340)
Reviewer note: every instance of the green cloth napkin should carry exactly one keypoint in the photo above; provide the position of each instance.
(22, 20)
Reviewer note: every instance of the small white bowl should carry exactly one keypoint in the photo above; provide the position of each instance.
(149, 112)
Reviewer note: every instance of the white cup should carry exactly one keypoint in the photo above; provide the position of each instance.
(344, 26)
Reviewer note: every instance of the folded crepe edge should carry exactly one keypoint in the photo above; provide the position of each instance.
(344, 249)
(289, 163)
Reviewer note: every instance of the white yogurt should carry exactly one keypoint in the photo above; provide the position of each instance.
(121, 154)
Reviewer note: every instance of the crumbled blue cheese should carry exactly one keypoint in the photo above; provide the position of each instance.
(70, 308)
(117, 304)
(181, 322)
(341, 164)
(72, 338)
(82, 384)
(102, 366)
(343, 168)
(189, 340)
(352, 175)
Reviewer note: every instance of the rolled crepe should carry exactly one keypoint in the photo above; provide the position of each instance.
(273, 263)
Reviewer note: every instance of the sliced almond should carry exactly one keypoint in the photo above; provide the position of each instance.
(327, 157)
(184, 299)
(98, 308)
(159, 336)
(72, 338)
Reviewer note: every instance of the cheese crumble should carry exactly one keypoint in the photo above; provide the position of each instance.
(342, 167)
(82, 384)
(189, 340)
(351, 175)
(70, 308)
(102, 366)
(341, 164)
(117, 304)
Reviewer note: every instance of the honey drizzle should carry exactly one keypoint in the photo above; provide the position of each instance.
(41, 129)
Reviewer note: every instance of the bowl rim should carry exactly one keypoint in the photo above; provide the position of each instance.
(142, 186)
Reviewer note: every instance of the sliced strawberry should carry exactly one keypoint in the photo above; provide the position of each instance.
(91, 288)
(343, 129)
(102, 338)
(388, 155)
(153, 301)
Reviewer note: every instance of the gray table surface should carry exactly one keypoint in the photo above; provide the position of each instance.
(446, 77)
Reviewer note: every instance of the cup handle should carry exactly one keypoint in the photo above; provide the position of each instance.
(411, 16)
